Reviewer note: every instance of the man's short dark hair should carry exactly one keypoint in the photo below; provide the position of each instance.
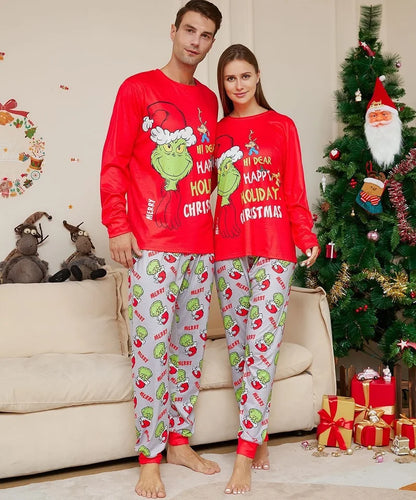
(203, 7)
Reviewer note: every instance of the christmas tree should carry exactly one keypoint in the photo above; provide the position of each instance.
(366, 217)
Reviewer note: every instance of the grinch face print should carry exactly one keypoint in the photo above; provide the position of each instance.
(22, 151)
(229, 179)
(170, 158)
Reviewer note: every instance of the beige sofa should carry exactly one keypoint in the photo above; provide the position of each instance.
(65, 382)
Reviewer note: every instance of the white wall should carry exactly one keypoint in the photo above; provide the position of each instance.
(90, 46)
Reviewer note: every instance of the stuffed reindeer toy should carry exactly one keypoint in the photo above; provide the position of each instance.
(82, 264)
(23, 264)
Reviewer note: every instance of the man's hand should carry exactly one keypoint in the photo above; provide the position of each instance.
(122, 248)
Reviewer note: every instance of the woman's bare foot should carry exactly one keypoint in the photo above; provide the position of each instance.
(261, 459)
(183, 454)
(240, 481)
(150, 484)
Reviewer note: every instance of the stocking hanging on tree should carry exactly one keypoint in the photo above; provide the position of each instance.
(370, 194)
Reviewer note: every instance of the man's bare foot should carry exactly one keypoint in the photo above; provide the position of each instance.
(240, 481)
(150, 484)
(183, 454)
(261, 458)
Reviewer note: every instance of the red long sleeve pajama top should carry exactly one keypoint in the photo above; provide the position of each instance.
(157, 164)
(262, 208)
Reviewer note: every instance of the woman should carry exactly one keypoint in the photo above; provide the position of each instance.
(261, 215)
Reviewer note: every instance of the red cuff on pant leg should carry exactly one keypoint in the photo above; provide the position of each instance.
(143, 460)
(176, 439)
(246, 448)
(266, 438)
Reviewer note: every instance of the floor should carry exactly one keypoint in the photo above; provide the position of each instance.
(132, 462)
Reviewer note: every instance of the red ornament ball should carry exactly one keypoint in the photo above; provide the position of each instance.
(334, 154)
(353, 183)
(412, 294)
(373, 235)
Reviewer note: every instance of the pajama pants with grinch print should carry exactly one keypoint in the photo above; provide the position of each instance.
(169, 298)
(254, 294)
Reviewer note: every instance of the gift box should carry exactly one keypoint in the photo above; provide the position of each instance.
(330, 252)
(406, 427)
(378, 394)
(368, 433)
(336, 421)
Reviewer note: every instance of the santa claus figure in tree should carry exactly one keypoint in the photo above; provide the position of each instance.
(383, 128)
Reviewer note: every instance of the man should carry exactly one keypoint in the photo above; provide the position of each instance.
(383, 127)
(157, 161)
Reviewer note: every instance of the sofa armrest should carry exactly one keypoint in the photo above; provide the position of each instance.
(120, 275)
(308, 323)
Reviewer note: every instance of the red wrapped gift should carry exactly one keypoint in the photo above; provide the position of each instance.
(374, 394)
(335, 427)
(330, 252)
(369, 433)
(406, 427)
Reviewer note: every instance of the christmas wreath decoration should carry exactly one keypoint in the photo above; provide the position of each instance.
(407, 233)
(21, 151)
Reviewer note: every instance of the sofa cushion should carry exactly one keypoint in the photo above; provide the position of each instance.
(72, 317)
(216, 371)
(48, 381)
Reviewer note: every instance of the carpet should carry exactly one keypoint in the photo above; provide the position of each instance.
(295, 474)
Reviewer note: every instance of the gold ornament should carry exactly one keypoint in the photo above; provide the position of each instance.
(413, 452)
(349, 451)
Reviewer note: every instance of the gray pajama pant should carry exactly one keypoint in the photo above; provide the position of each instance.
(254, 294)
(169, 297)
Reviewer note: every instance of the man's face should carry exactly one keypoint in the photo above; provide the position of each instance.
(193, 39)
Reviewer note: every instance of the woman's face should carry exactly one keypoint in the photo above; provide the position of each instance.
(240, 80)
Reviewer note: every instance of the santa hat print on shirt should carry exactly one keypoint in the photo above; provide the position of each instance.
(163, 120)
(224, 149)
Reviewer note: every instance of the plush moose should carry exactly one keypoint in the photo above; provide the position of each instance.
(23, 264)
(82, 264)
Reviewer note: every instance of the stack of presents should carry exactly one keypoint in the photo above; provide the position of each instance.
(367, 417)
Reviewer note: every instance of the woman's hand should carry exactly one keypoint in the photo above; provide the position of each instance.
(312, 254)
